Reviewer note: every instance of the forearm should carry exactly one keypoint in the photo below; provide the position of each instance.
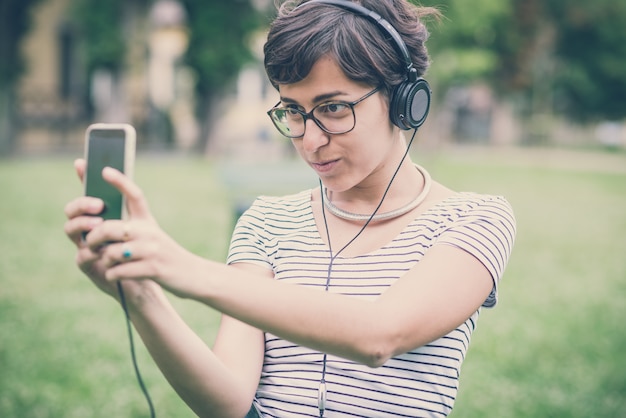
(189, 365)
(326, 322)
(419, 308)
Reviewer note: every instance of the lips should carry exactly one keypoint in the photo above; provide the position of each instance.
(324, 167)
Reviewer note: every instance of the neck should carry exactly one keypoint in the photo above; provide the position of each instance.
(417, 186)
(366, 195)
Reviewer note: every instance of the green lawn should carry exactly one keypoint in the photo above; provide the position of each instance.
(553, 347)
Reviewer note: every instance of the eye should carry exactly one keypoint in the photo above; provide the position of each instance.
(292, 110)
(334, 109)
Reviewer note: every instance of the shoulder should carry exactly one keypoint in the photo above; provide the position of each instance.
(480, 211)
(291, 199)
(460, 212)
(267, 218)
(470, 203)
(267, 211)
(484, 226)
(282, 204)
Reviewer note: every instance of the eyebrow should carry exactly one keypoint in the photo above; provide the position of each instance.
(317, 99)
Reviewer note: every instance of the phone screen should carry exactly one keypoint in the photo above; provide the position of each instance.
(105, 149)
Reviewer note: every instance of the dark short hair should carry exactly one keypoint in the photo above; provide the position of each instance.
(301, 34)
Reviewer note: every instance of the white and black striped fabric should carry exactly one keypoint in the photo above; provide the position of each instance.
(280, 233)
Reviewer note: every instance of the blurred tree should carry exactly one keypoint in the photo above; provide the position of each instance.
(220, 44)
(99, 23)
(488, 40)
(14, 24)
(590, 47)
(102, 27)
(562, 56)
(463, 44)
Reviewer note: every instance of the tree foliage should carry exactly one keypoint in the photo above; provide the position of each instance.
(218, 30)
(220, 41)
(14, 23)
(576, 48)
(591, 50)
(99, 23)
(463, 43)
(219, 46)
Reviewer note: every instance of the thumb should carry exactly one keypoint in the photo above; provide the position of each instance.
(80, 166)
(135, 200)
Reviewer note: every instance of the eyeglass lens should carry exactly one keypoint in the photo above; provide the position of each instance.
(332, 117)
(335, 117)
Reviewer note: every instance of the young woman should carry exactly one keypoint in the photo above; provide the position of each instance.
(354, 299)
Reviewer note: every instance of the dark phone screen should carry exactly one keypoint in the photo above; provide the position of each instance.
(106, 149)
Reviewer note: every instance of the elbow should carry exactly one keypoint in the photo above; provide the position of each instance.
(383, 339)
(376, 360)
(376, 353)
(382, 342)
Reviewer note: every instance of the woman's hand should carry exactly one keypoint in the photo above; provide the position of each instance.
(135, 249)
(97, 240)
(82, 214)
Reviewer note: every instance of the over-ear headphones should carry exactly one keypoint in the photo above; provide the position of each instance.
(410, 100)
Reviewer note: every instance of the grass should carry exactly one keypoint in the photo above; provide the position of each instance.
(553, 347)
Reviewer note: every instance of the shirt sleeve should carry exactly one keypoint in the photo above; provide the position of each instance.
(247, 244)
(485, 230)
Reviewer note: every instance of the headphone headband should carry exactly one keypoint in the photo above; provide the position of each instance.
(381, 23)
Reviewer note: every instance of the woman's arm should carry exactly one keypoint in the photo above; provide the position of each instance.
(213, 383)
(438, 294)
(444, 289)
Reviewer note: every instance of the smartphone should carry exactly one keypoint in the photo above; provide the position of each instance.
(108, 145)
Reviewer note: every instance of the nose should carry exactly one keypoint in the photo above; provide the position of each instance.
(314, 137)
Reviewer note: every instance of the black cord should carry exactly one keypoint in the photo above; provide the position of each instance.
(129, 327)
(382, 199)
(334, 256)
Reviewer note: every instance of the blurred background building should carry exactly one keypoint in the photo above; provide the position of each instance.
(188, 74)
(135, 61)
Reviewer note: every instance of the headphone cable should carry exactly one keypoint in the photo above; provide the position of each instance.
(129, 328)
(321, 395)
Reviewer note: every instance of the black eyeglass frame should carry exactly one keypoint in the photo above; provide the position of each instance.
(310, 115)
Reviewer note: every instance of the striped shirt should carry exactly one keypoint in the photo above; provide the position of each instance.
(280, 233)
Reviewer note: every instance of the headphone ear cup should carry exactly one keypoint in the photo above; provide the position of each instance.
(409, 104)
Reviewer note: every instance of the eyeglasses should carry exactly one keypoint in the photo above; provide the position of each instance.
(334, 117)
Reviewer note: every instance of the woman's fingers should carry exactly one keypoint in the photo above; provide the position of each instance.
(82, 217)
(77, 228)
(85, 257)
(80, 210)
(108, 232)
(122, 252)
(80, 165)
(84, 205)
(127, 260)
(92, 265)
(135, 201)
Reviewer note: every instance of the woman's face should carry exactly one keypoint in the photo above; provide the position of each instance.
(346, 160)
